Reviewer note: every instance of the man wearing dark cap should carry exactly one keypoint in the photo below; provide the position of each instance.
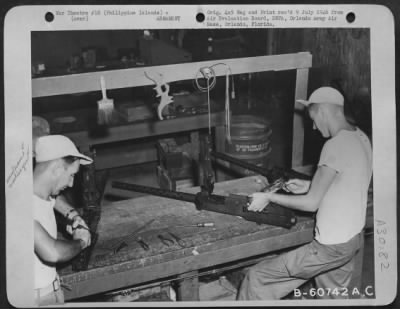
(338, 195)
(57, 162)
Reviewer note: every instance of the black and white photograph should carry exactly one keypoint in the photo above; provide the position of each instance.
(242, 158)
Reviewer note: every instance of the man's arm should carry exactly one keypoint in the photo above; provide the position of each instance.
(55, 250)
(72, 215)
(64, 208)
(320, 184)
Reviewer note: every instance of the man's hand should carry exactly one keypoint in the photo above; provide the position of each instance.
(297, 186)
(259, 200)
(76, 221)
(83, 235)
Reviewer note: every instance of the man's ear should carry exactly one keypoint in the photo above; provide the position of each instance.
(57, 167)
(323, 111)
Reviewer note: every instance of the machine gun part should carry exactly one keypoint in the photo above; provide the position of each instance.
(237, 205)
(278, 184)
(232, 205)
(91, 212)
(81, 262)
(180, 196)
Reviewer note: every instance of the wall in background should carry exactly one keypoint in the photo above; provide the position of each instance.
(340, 58)
(55, 48)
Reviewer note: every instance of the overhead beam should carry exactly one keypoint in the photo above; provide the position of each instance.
(134, 77)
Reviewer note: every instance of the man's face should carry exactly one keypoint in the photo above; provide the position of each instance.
(318, 118)
(65, 176)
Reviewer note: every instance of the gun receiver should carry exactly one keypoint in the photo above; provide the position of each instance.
(233, 204)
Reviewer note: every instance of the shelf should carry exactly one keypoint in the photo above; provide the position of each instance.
(85, 138)
(133, 77)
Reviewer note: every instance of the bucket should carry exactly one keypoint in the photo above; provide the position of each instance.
(250, 142)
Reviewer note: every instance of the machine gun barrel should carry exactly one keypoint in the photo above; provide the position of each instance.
(235, 205)
(238, 162)
(271, 174)
(180, 196)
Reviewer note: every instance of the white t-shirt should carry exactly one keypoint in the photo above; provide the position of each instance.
(342, 212)
(43, 212)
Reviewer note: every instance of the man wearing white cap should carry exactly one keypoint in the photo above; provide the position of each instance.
(338, 195)
(57, 162)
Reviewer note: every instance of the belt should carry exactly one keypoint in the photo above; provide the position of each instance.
(52, 287)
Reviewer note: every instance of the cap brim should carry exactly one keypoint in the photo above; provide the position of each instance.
(304, 102)
(84, 160)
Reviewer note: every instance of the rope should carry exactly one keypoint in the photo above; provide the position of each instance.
(210, 86)
(227, 109)
(209, 106)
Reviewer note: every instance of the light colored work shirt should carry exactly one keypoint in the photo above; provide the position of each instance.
(43, 212)
(342, 212)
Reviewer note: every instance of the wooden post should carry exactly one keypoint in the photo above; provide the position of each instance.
(188, 288)
(270, 41)
(298, 121)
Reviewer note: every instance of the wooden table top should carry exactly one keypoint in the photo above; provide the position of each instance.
(232, 238)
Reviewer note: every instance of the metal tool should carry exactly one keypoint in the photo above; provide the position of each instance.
(130, 236)
(178, 240)
(80, 226)
(166, 241)
(120, 247)
(204, 224)
(143, 244)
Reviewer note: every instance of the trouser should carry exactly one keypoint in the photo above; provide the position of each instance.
(50, 295)
(331, 265)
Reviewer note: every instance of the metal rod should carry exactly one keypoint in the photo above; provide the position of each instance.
(239, 162)
(271, 174)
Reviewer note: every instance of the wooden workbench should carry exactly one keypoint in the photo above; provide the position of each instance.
(231, 239)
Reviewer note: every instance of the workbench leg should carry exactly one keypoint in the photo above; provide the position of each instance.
(188, 288)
